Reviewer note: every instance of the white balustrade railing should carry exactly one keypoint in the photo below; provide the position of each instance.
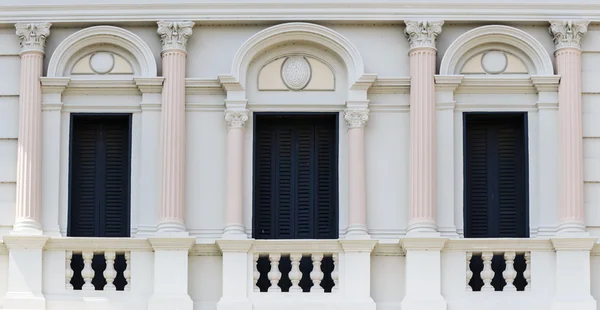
(509, 274)
(297, 260)
(109, 274)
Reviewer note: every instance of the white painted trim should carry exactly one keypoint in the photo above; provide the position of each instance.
(297, 32)
(496, 34)
(58, 11)
(125, 39)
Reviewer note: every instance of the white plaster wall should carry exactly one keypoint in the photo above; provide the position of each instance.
(387, 281)
(205, 281)
(3, 276)
(9, 113)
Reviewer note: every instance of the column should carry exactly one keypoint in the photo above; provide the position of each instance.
(236, 119)
(422, 36)
(29, 144)
(173, 36)
(567, 35)
(357, 200)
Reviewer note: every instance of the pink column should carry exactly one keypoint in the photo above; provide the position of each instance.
(422, 36)
(236, 120)
(567, 35)
(173, 36)
(357, 197)
(29, 143)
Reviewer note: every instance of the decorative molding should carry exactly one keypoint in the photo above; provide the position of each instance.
(423, 243)
(296, 246)
(32, 36)
(172, 243)
(205, 249)
(175, 34)
(568, 33)
(497, 34)
(423, 33)
(546, 83)
(69, 48)
(236, 118)
(296, 31)
(196, 86)
(390, 85)
(356, 118)
(499, 245)
(25, 242)
(358, 245)
(269, 10)
(149, 85)
(498, 84)
(574, 243)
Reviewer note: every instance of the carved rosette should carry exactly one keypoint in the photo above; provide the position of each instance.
(236, 118)
(423, 33)
(174, 35)
(33, 36)
(568, 33)
(356, 118)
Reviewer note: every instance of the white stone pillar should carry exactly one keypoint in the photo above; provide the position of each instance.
(567, 35)
(237, 278)
(573, 274)
(357, 187)
(29, 143)
(422, 36)
(173, 36)
(234, 227)
(423, 280)
(24, 279)
(355, 274)
(171, 273)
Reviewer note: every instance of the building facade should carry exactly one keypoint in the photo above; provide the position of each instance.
(274, 154)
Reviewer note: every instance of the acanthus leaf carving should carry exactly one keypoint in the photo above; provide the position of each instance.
(423, 33)
(356, 118)
(568, 33)
(33, 36)
(174, 35)
(236, 118)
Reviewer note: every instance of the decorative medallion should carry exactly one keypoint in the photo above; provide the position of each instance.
(102, 62)
(296, 72)
(494, 62)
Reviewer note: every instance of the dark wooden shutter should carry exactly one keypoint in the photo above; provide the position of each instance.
(495, 175)
(295, 177)
(100, 182)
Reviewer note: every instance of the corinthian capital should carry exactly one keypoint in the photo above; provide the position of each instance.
(568, 33)
(236, 118)
(423, 33)
(33, 36)
(174, 35)
(356, 118)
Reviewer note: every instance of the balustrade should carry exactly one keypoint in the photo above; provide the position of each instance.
(97, 270)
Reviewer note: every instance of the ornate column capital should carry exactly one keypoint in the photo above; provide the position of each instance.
(568, 33)
(423, 33)
(174, 35)
(356, 118)
(32, 36)
(236, 118)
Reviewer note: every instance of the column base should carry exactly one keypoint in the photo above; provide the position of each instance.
(572, 229)
(162, 302)
(357, 231)
(234, 232)
(437, 303)
(421, 227)
(176, 229)
(19, 300)
(27, 227)
(225, 304)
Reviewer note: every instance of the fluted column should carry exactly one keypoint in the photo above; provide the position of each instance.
(29, 143)
(173, 36)
(567, 35)
(422, 36)
(357, 200)
(236, 119)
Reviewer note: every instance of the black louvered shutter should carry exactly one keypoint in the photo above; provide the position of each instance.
(295, 177)
(100, 182)
(495, 175)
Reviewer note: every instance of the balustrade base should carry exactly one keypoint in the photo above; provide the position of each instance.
(162, 302)
(234, 305)
(588, 304)
(21, 301)
(420, 304)
(303, 304)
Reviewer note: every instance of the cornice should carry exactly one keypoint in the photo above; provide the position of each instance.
(149, 85)
(99, 244)
(58, 11)
(172, 243)
(390, 85)
(198, 86)
(423, 243)
(205, 249)
(101, 86)
(25, 241)
(573, 243)
(497, 85)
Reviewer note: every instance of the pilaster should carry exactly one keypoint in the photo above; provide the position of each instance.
(173, 36)
(567, 36)
(29, 144)
(356, 120)
(236, 120)
(236, 272)
(422, 36)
